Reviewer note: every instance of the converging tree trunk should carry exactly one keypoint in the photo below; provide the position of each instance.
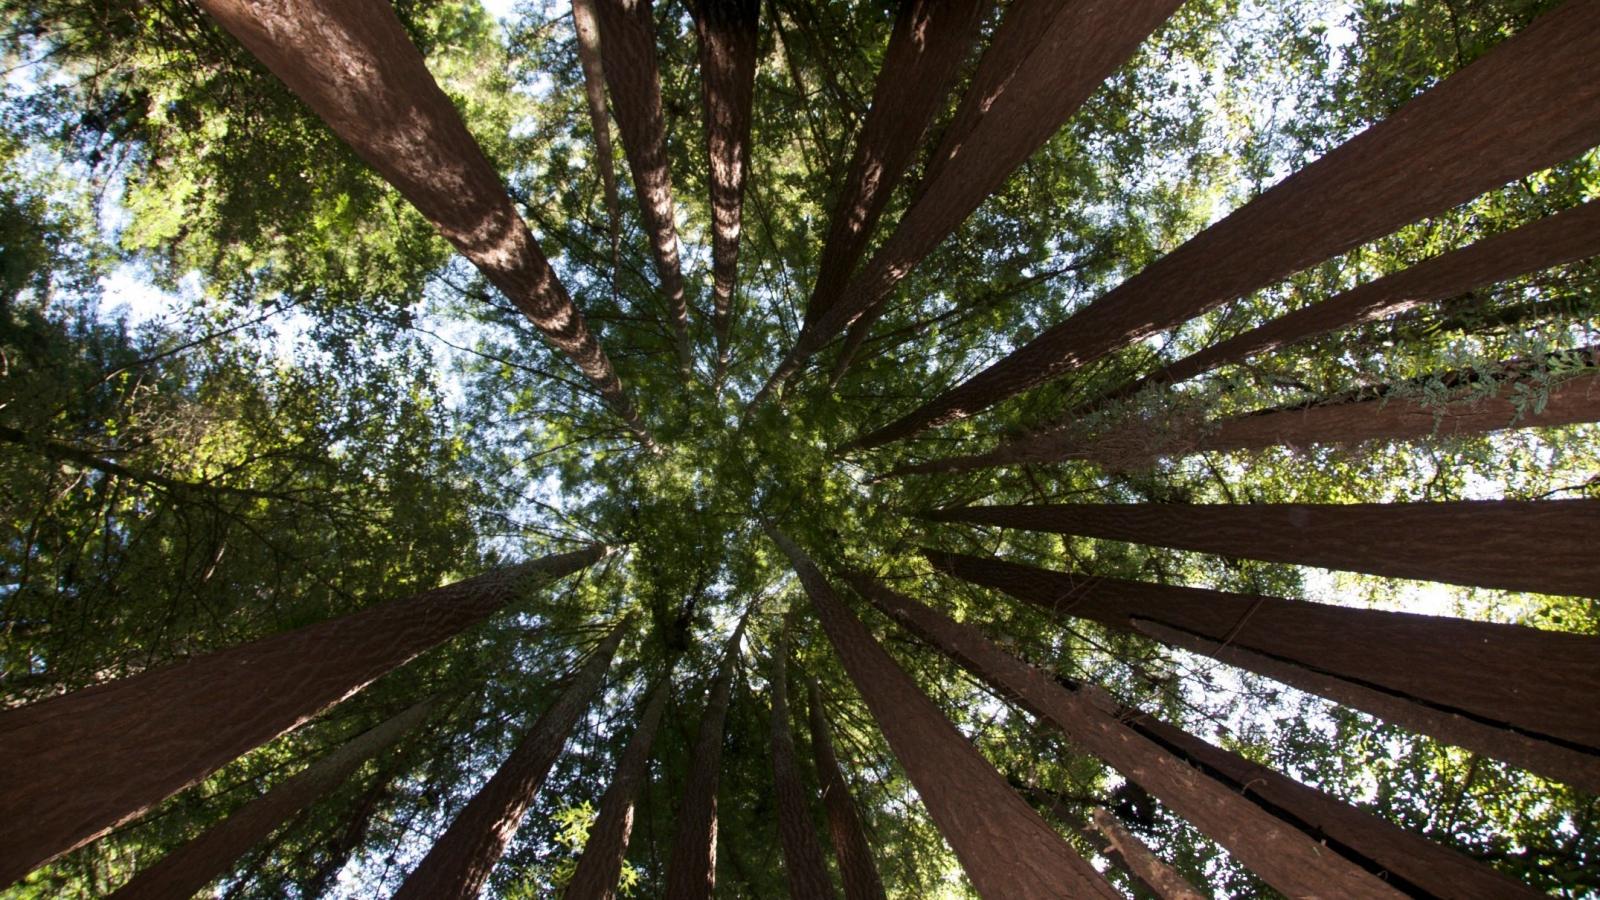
(459, 863)
(587, 28)
(352, 63)
(856, 869)
(1149, 868)
(352, 836)
(187, 870)
(1004, 846)
(1527, 104)
(76, 766)
(803, 864)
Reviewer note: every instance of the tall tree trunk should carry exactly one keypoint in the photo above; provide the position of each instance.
(692, 872)
(1503, 690)
(1516, 545)
(587, 28)
(351, 837)
(628, 42)
(729, 42)
(600, 865)
(856, 868)
(1284, 856)
(459, 863)
(803, 863)
(1149, 868)
(76, 766)
(1046, 59)
(1057, 806)
(1530, 103)
(1005, 847)
(188, 869)
(352, 63)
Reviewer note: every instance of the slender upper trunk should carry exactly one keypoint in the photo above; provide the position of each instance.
(353, 64)
(1543, 546)
(1149, 868)
(803, 864)
(76, 766)
(1503, 690)
(1530, 103)
(459, 863)
(600, 865)
(351, 837)
(856, 868)
(1005, 847)
(188, 869)
(587, 28)
(729, 42)
(628, 41)
(692, 871)
(1284, 856)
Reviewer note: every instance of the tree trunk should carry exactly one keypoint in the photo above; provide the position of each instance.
(351, 837)
(1542, 546)
(1530, 103)
(1149, 868)
(1502, 690)
(76, 766)
(187, 870)
(459, 863)
(1005, 847)
(807, 871)
(856, 868)
(729, 43)
(600, 865)
(587, 29)
(628, 41)
(1283, 856)
(353, 64)
(692, 872)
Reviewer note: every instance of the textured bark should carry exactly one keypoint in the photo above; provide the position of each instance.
(856, 869)
(188, 869)
(1283, 856)
(1544, 546)
(1142, 861)
(728, 41)
(76, 766)
(692, 871)
(352, 63)
(587, 29)
(600, 865)
(628, 43)
(459, 863)
(1503, 690)
(1005, 847)
(1532, 102)
(803, 864)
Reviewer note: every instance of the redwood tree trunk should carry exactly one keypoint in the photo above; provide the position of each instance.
(351, 837)
(76, 766)
(1005, 847)
(459, 863)
(1530, 103)
(352, 63)
(187, 870)
(1149, 868)
(856, 868)
(587, 28)
(803, 864)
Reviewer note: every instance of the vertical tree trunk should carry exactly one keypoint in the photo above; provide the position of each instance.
(352, 63)
(1532, 102)
(729, 42)
(692, 872)
(1516, 545)
(1503, 690)
(628, 42)
(1005, 847)
(459, 863)
(803, 863)
(1283, 856)
(188, 869)
(76, 766)
(856, 868)
(587, 29)
(600, 865)
(1150, 869)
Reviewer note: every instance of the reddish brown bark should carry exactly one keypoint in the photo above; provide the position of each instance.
(1532, 102)
(1282, 855)
(459, 863)
(353, 64)
(1142, 861)
(587, 28)
(600, 865)
(628, 45)
(692, 871)
(76, 766)
(1516, 545)
(803, 864)
(1005, 847)
(850, 848)
(188, 869)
